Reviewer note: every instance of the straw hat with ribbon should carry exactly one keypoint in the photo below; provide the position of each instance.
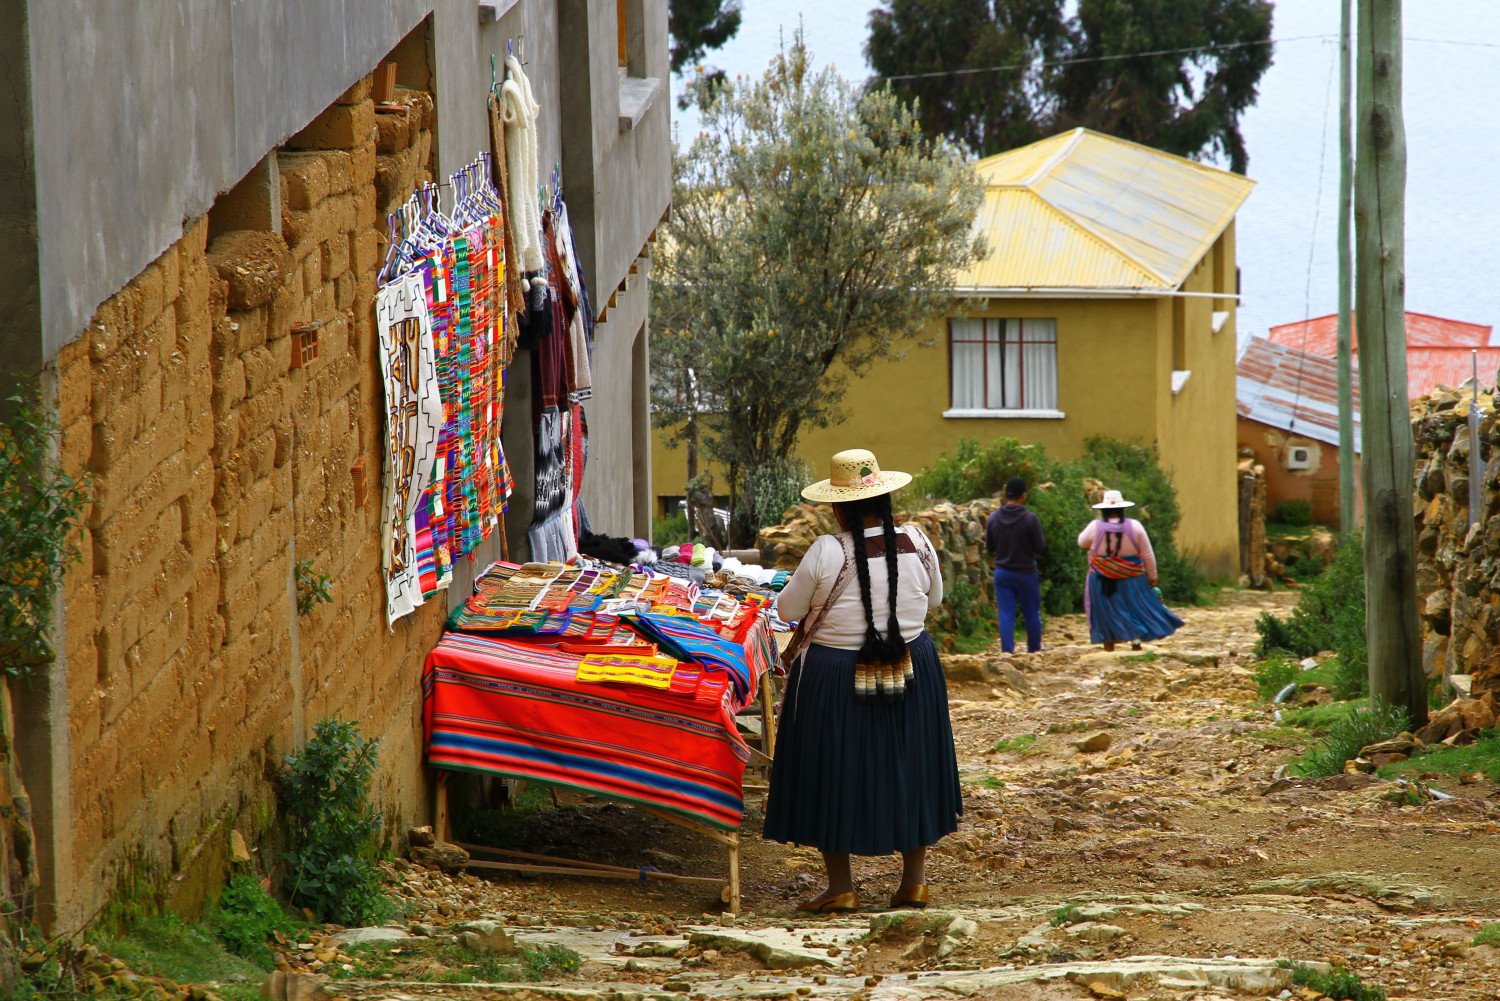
(1113, 499)
(854, 475)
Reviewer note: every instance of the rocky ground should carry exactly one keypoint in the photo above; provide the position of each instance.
(1125, 835)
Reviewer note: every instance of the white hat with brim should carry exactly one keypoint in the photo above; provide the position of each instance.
(854, 475)
(1113, 500)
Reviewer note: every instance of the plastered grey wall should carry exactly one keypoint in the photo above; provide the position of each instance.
(143, 113)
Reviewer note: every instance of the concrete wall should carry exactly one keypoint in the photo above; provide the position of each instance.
(185, 670)
(1107, 384)
(1318, 485)
(1197, 425)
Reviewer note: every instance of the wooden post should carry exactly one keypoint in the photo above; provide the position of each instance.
(1348, 515)
(1392, 630)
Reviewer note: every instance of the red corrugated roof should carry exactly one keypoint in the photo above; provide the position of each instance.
(1319, 335)
(1291, 390)
(1429, 368)
(1437, 348)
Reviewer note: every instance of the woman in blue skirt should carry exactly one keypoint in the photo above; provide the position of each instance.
(1120, 596)
(864, 760)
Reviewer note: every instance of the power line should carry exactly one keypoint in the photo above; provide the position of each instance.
(1221, 47)
(1312, 242)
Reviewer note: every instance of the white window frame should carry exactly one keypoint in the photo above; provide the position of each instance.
(1023, 412)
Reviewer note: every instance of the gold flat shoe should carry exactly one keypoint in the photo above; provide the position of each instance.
(911, 896)
(838, 903)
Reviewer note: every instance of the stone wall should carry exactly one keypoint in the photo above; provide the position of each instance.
(216, 465)
(1458, 569)
(956, 531)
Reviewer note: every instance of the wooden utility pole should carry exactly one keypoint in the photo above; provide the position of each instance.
(1393, 634)
(1348, 515)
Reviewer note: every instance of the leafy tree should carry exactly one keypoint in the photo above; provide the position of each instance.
(697, 26)
(1064, 69)
(40, 507)
(813, 228)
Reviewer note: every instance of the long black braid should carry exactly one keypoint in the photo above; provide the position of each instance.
(890, 648)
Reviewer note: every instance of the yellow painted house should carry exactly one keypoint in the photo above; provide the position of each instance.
(1105, 306)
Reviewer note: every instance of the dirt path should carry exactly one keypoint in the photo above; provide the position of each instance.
(1167, 864)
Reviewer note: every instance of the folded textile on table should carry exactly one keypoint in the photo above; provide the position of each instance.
(653, 672)
(518, 710)
(689, 639)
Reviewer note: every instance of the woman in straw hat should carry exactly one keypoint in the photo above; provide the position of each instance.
(1120, 596)
(864, 759)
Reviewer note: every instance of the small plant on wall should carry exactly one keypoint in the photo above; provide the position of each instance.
(313, 588)
(40, 505)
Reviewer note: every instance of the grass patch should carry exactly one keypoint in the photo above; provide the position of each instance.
(1024, 743)
(1141, 658)
(991, 782)
(245, 917)
(166, 946)
(1346, 735)
(1488, 935)
(975, 642)
(1273, 675)
(1341, 985)
(1482, 756)
(1319, 719)
(446, 962)
(1064, 915)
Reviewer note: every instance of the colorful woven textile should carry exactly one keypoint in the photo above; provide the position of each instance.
(413, 414)
(689, 639)
(627, 669)
(512, 709)
(1116, 567)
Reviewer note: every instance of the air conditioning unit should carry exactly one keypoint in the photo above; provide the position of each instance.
(1298, 457)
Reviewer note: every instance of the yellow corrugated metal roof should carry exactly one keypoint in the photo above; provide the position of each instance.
(1086, 211)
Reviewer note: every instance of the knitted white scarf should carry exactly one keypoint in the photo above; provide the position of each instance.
(520, 110)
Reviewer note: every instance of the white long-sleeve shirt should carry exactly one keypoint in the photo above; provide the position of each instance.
(843, 624)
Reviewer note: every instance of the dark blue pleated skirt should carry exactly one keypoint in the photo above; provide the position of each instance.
(1128, 611)
(863, 778)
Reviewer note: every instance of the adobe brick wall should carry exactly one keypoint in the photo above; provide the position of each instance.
(215, 467)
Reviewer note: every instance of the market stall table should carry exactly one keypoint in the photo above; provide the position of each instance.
(511, 700)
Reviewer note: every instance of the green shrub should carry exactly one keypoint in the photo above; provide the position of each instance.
(1488, 935)
(1330, 615)
(669, 529)
(974, 470)
(245, 918)
(1273, 675)
(1347, 734)
(771, 489)
(330, 827)
(1338, 984)
(40, 505)
(1293, 512)
(1133, 470)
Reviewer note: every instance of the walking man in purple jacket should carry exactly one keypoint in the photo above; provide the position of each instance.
(1013, 535)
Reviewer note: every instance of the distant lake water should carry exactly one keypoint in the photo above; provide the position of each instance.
(1286, 235)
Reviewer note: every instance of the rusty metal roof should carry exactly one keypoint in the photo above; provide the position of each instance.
(1319, 335)
(1291, 390)
(1090, 213)
(1437, 348)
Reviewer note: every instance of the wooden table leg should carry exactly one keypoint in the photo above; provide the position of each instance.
(734, 874)
(768, 714)
(440, 826)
